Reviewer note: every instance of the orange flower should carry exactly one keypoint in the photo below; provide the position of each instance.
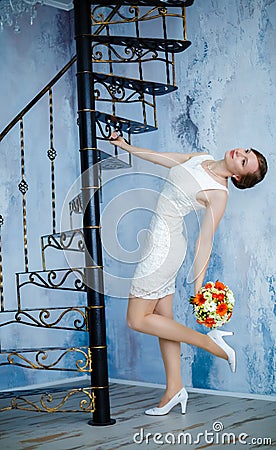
(199, 299)
(208, 286)
(209, 322)
(222, 309)
(220, 297)
(219, 285)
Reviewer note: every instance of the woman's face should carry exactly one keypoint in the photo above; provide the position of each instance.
(241, 161)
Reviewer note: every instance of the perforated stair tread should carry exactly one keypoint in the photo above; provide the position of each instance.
(124, 124)
(147, 87)
(152, 44)
(175, 3)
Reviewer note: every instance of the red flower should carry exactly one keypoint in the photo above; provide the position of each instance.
(219, 285)
(209, 322)
(208, 286)
(222, 309)
(199, 299)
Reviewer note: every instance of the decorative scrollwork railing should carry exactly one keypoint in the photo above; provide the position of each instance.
(130, 14)
(72, 240)
(46, 359)
(53, 318)
(50, 403)
(55, 279)
(72, 318)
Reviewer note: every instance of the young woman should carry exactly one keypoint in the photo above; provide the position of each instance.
(195, 181)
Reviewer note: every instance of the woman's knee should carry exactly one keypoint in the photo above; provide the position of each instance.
(134, 322)
(137, 311)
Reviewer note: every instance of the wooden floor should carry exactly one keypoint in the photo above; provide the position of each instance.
(248, 418)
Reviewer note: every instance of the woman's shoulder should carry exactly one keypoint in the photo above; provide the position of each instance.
(201, 155)
(197, 158)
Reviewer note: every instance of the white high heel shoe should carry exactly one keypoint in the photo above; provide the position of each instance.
(181, 397)
(217, 337)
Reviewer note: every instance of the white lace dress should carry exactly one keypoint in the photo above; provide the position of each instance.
(165, 246)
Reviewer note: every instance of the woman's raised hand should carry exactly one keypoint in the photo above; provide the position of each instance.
(118, 140)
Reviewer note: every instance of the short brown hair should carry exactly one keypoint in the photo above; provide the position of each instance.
(249, 180)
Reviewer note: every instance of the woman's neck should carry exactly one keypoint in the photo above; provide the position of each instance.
(219, 169)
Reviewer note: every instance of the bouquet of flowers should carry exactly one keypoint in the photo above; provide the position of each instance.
(213, 304)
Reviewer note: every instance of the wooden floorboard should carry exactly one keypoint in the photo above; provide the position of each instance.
(20, 430)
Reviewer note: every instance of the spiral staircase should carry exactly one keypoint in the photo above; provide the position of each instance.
(146, 38)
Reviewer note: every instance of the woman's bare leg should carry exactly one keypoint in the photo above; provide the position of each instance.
(141, 317)
(170, 351)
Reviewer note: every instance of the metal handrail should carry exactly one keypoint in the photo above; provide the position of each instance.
(50, 84)
(37, 98)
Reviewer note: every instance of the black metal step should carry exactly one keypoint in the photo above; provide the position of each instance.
(163, 45)
(111, 162)
(147, 87)
(123, 124)
(147, 3)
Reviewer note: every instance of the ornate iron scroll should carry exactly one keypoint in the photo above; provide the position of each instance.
(55, 279)
(72, 240)
(53, 318)
(43, 404)
(130, 14)
(101, 52)
(19, 358)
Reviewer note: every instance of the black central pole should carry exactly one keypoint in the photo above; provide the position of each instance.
(91, 218)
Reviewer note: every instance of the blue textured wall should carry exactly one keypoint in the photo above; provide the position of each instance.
(226, 99)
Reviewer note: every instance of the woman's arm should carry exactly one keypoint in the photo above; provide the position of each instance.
(216, 203)
(167, 159)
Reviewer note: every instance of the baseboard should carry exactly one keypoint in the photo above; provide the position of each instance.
(198, 390)
(84, 378)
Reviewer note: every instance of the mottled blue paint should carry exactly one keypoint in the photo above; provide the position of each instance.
(271, 289)
(225, 99)
(185, 128)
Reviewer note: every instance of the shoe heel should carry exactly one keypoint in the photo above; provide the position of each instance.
(226, 333)
(184, 406)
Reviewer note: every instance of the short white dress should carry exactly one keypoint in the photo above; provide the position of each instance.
(165, 246)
